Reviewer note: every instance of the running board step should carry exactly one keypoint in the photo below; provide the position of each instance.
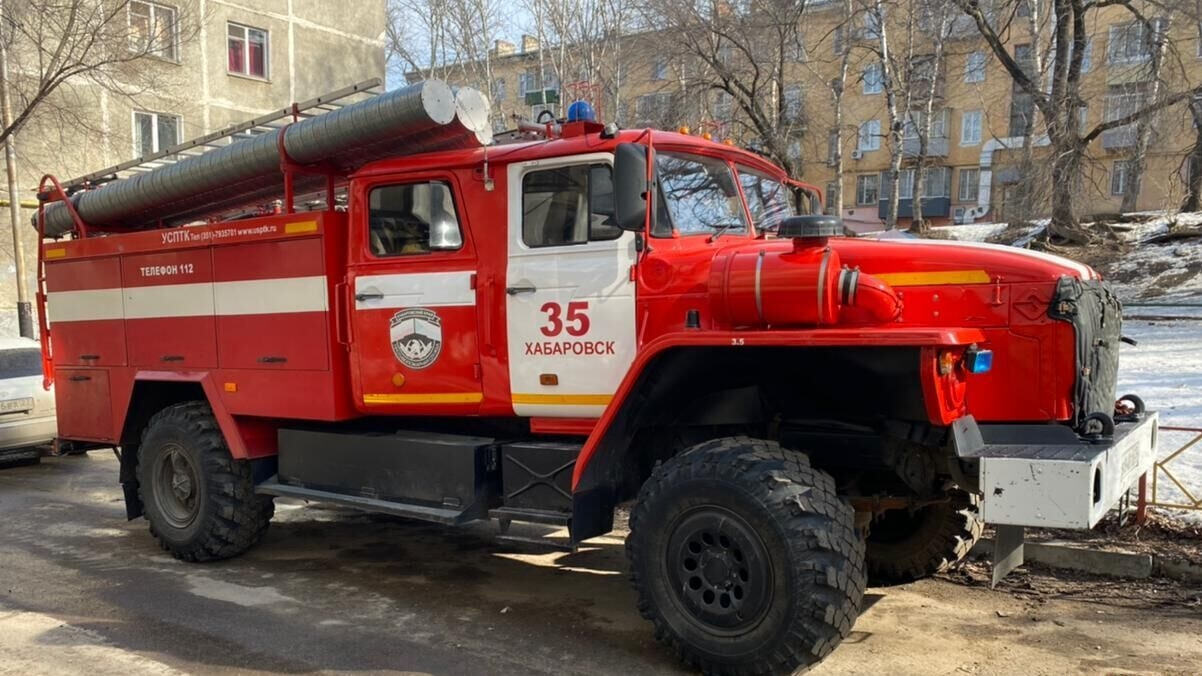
(507, 515)
(450, 517)
(543, 516)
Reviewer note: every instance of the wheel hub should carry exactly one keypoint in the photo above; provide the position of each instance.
(175, 489)
(719, 570)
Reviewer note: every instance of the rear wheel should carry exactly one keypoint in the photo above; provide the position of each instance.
(906, 546)
(745, 559)
(200, 502)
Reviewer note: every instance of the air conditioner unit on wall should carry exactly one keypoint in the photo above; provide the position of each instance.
(857, 154)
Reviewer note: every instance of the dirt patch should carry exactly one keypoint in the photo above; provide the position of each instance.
(1164, 536)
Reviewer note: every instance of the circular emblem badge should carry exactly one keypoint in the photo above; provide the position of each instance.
(416, 335)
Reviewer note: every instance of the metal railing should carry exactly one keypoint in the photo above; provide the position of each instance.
(1169, 489)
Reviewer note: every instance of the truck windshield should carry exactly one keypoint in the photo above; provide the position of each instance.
(700, 195)
(768, 199)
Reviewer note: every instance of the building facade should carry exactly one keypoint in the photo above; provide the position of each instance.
(981, 166)
(223, 62)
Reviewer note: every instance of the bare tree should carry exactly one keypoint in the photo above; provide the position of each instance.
(51, 51)
(1057, 103)
(418, 36)
(838, 88)
(935, 19)
(897, 64)
(586, 44)
(743, 53)
(1193, 161)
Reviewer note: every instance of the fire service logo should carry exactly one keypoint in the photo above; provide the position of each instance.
(416, 335)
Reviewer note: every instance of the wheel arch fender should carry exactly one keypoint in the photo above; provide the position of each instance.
(599, 479)
(153, 391)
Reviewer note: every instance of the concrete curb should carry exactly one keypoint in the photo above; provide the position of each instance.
(1098, 562)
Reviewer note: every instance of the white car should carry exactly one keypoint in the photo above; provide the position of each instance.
(27, 421)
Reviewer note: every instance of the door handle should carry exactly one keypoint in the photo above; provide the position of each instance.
(515, 290)
(368, 295)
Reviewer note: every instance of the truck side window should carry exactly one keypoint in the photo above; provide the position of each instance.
(410, 219)
(568, 205)
(700, 195)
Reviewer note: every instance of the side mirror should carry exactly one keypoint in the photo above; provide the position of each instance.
(630, 186)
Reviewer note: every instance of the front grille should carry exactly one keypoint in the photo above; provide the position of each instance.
(1097, 318)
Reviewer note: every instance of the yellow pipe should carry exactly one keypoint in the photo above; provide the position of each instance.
(25, 204)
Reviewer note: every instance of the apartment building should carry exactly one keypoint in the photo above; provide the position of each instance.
(226, 61)
(976, 160)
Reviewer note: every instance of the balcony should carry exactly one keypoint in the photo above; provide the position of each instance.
(932, 207)
(536, 96)
(1120, 137)
(936, 147)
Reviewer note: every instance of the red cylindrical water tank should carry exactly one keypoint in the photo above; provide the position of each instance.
(780, 287)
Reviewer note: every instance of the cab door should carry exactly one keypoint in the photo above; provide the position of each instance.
(570, 296)
(412, 287)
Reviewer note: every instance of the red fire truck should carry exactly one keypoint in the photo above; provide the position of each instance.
(544, 328)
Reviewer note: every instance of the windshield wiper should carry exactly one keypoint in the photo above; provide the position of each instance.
(721, 229)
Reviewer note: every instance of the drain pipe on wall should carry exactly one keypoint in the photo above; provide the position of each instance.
(986, 165)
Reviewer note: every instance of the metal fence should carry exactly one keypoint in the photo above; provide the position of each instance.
(1168, 487)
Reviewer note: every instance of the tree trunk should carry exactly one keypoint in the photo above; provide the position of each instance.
(1066, 168)
(1193, 187)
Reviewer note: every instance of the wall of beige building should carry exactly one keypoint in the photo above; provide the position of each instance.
(311, 50)
(976, 99)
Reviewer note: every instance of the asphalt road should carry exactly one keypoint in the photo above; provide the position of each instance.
(331, 590)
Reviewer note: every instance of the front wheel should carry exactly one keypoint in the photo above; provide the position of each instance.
(200, 502)
(745, 559)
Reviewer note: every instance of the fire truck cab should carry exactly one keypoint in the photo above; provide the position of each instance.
(545, 329)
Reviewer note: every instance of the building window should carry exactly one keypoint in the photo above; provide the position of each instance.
(974, 67)
(247, 49)
(1082, 119)
(868, 189)
(905, 184)
(1119, 176)
(839, 40)
(723, 106)
(832, 147)
(936, 182)
(1129, 43)
(831, 189)
(870, 136)
(405, 220)
(527, 82)
(970, 180)
(498, 90)
(1121, 102)
(1087, 56)
(154, 132)
(792, 101)
(872, 23)
(1022, 110)
(873, 77)
(659, 69)
(970, 127)
(152, 29)
(653, 109)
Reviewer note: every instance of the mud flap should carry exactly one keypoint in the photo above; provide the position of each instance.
(1007, 551)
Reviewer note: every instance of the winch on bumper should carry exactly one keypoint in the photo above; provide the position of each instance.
(1047, 476)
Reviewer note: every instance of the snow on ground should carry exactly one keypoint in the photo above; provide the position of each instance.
(1165, 370)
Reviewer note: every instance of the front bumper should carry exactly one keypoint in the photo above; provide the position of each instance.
(1045, 476)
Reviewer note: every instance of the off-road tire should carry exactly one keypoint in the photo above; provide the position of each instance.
(816, 576)
(227, 517)
(909, 547)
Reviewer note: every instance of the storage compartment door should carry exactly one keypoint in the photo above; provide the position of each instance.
(271, 305)
(84, 409)
(84, 308)
(169, 309)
